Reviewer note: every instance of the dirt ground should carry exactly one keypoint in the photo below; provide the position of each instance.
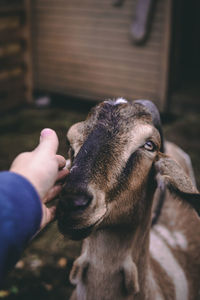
(42, 272)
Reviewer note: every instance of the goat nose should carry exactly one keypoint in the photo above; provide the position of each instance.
(78, 201)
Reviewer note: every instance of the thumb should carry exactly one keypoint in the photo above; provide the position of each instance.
(48, 215)
(48, 141)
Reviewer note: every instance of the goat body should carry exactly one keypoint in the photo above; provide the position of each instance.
(109, 198)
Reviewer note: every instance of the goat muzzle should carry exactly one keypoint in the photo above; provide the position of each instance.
(74, 202)
(70, 210)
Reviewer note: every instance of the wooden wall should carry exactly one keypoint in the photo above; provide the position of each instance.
(83, 49)
(15, 53)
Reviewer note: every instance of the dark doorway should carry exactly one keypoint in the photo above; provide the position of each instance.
(185, 55)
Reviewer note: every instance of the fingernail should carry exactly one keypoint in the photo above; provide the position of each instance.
(46, 132)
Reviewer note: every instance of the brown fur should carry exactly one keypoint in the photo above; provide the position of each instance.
(163, 280)
(120, 174)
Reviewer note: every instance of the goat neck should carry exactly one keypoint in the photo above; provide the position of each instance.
(115, 256)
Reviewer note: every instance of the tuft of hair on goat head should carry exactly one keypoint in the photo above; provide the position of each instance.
(121, 176)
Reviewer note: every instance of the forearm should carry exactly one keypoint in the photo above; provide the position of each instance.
(20, 217)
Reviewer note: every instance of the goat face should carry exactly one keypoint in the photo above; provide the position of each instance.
(112, 154)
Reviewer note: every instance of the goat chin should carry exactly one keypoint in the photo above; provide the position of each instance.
(76, 234)
(119, 178)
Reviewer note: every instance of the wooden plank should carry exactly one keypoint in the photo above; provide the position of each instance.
(11, 61)
(120, 71)
(11, 2)
(165, 61)
(14, 8)
(9, 22)
(78, 22)
(11, 35)
(85, 49)
(86, 10)
(103, 67)
(97, 35)
(12, 72)
(80, 49)
(55, 21)
(88, 55)
(89, 4)
(93, 81)
(14, 59)
(72, 24)
(98, 46)
(109, 59)
(96, 92)
(13, 83)
(9, 49)
(111, 81)
(28, 52)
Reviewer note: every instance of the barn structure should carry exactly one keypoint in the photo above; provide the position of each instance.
(97, 49)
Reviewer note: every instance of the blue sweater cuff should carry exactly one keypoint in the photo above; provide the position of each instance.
(20, 217)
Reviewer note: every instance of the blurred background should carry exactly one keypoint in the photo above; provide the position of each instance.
(58, 58)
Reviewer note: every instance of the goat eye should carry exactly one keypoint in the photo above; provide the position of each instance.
(150, 146)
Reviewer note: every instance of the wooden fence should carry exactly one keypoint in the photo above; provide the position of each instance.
(83, 49)
(15, 53)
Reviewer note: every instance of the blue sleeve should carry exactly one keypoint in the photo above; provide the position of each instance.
(20, 217)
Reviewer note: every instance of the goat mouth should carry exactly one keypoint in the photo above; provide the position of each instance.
(71, 228)
(74, 233)
(76, 223)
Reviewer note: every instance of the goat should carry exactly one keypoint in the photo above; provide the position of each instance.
(108, 200)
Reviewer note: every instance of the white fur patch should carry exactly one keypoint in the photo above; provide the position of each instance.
(74, 167)
(116, 102)
(68, 164)
(154, 286)
(175, 239)
(181, 240)
(163, 255)
(120, 101)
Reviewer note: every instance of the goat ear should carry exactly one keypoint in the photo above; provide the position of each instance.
(75, 130)
(177, 181)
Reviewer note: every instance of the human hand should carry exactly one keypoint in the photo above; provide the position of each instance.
(43, 168)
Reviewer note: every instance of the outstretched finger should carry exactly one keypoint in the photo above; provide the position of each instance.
(48, 215)
(48, 141)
